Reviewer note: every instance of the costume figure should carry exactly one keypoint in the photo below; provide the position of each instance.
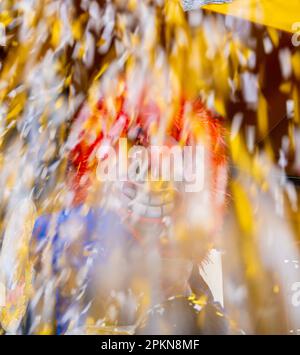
(111, 244)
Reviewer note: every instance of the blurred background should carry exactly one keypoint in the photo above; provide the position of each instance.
(75, 72)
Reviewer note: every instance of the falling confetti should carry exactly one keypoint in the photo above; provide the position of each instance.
(80, 255)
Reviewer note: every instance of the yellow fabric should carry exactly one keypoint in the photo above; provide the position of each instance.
(279, 14)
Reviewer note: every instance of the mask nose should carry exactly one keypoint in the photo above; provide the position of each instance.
(159, 186)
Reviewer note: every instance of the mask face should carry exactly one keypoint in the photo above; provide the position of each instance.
(146, 194)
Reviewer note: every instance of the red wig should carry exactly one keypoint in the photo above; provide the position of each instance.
(91, 130)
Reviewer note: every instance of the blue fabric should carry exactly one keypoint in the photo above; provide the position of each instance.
(103, 231)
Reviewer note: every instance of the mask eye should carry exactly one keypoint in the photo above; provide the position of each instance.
(137, 136)
(142, 138)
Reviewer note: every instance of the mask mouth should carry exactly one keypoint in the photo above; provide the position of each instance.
(144, 204)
